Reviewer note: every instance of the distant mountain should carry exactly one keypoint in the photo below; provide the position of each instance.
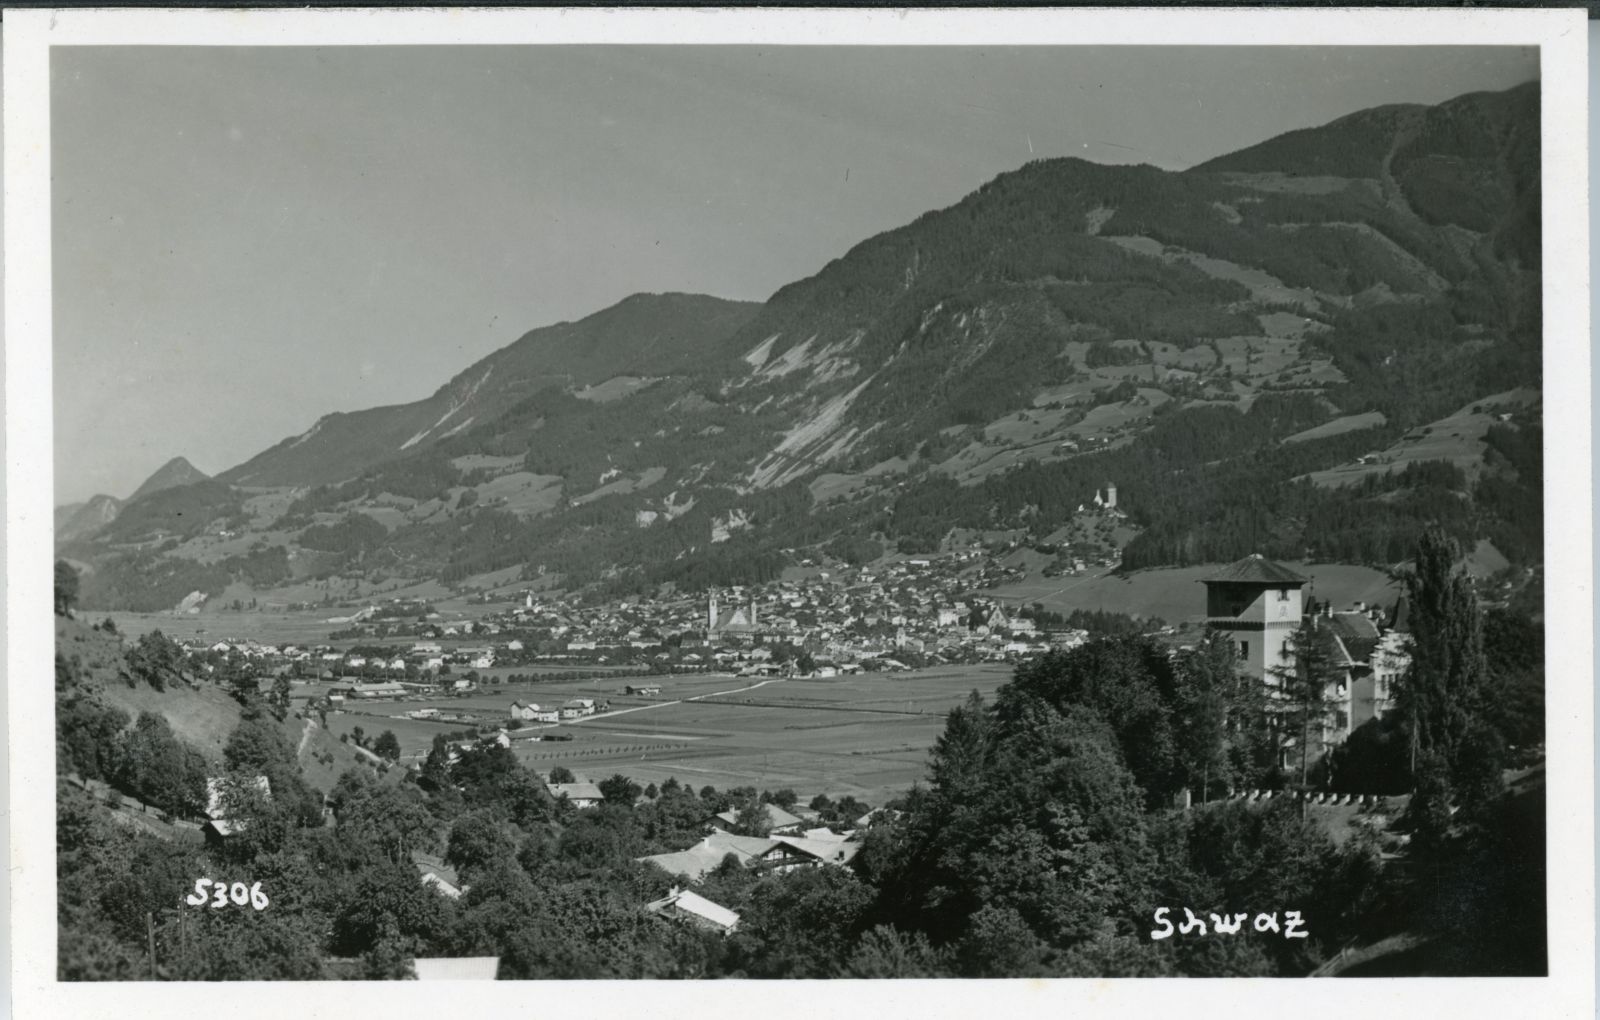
(175, 472)
(984, 369)
(643, 335)
(79, 520)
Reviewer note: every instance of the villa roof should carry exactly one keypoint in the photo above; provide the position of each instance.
(1254, 569)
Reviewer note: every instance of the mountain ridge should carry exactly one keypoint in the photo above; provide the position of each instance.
(985, 366)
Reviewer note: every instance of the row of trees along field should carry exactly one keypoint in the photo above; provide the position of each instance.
(1041, 843)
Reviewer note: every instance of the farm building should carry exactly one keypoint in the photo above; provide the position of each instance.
(577, 707)
(644, 689)
(373, 691)
(532, 712)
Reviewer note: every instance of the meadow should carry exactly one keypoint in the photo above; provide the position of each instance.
(866, 735)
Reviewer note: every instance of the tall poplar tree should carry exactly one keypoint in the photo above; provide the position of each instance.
(1442, 695)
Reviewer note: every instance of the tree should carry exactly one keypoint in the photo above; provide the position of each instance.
(885, 952)
(281, 689)
(1442, 693)
(154, 659)
(751, 819)
(479, 839)
(66, 588)
(802, 924)
(435, 774)
(1218, 718)
(619, 789)
(160, 769)
(387, 746)
(561, 774)
(1303, 698)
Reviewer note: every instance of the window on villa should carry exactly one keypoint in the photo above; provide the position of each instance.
(1244, 649)
(1283, 594)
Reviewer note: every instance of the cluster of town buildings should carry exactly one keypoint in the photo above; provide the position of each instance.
(854, 618)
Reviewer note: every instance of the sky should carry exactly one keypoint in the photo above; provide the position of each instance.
(247, 239)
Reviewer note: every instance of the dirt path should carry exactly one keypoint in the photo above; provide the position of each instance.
(305, 736)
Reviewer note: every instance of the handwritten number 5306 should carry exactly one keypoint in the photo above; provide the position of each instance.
(238, 894)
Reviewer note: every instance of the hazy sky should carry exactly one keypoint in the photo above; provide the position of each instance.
(247, 239)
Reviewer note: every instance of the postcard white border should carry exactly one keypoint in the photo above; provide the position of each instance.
(1562, 37)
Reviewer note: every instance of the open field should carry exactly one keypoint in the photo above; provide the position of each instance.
(1176, 595)
(865, 735)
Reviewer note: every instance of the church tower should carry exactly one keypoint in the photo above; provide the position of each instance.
(1111, 495)
(1258, 604)
(711, 613)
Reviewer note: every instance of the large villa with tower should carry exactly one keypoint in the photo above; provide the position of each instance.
(1260, 606)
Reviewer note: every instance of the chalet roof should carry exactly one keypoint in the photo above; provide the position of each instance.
(777, 817)
(705, 855)
(576, 791)
(1255, 569)
(832, 851)
(693, 903)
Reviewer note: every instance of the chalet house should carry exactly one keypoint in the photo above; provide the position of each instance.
(775, 853)
(704, 857)
(581, 795)
(778, 820)
(694, 909)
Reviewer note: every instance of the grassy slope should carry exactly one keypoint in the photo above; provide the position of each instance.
(201, 717)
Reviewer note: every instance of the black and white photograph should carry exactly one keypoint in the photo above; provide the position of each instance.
(704, 508)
